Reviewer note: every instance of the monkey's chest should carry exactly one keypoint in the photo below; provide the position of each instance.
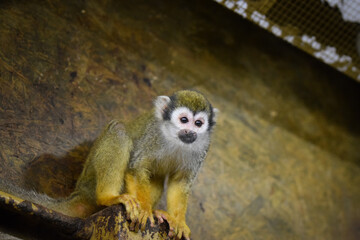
(171, 164)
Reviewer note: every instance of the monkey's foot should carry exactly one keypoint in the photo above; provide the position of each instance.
(144, 215)
(178, 229)
(132, 207)
(135, 213)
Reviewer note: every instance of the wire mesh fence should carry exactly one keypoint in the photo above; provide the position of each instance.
(327, 29)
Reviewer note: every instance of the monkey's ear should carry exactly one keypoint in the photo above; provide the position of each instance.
(161, 103)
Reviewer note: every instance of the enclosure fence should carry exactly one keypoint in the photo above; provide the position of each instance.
(327, 29)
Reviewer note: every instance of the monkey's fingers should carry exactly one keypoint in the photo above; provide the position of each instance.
(133, 221)
(141, 224)
(157, 214)
(183, 231)
(152, 220)
(177, 229)
(134, 226)
(143, 219)
(137, 226)
(172, 232)
(163, 215)
(131, 205)
(133, 210)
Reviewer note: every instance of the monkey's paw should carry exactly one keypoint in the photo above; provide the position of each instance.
(143, 217)
(137, 215)
(178, 229)
(132, 207)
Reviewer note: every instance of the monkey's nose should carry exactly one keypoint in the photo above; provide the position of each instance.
(187, 136)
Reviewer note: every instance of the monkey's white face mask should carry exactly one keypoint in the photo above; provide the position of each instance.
(188, 126)
(184, 129)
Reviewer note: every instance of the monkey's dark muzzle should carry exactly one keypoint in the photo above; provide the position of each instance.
(187, 136)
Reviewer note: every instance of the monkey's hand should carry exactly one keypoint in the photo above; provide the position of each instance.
(132, 207)
(135, 213)
(143, 216)
(178, 229)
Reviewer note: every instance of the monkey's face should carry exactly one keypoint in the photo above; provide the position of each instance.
(187, 126)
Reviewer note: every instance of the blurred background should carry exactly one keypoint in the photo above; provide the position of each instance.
(284, 161)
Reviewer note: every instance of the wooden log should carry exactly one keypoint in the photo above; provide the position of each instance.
(36, 221)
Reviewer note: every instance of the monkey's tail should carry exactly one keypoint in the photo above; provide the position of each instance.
(63, 205)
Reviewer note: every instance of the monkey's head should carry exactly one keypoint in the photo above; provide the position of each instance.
(186, 117)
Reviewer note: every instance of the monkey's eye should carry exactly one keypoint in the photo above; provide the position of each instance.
(184, 120)
(198, 123)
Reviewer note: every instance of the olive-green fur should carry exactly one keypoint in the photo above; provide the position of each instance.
(106, 164)
(136, 128)
(193, 100)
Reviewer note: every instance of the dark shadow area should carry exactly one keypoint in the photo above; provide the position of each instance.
(56, 176)
(34, 226)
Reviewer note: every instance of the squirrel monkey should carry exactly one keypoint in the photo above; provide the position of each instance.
(128, 163)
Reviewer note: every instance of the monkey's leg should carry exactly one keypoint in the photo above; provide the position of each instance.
(156, 189)
(75, 206)
(177, 197)
(139, 185)
(110, 157)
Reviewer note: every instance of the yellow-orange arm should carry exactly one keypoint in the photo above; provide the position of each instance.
(177, 199)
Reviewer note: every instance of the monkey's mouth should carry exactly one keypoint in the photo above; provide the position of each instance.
(187, 136)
